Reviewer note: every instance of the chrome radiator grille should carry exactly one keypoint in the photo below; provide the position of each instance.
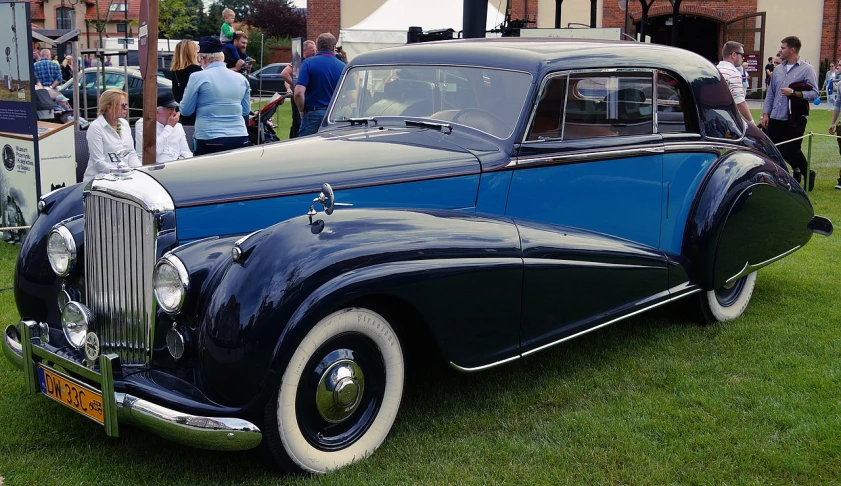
(119, 260)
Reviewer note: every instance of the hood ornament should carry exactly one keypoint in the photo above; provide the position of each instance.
(327, 200)
(122, 171)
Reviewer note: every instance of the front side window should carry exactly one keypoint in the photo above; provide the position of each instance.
(489, 100)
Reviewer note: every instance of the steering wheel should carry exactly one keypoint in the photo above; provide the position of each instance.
(482, 120)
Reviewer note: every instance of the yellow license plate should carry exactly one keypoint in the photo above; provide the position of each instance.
(71, 393)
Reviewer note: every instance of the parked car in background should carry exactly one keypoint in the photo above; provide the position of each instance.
(266, 81)
(92, 86)
(507, 195)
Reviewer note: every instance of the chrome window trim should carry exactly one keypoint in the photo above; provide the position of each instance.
(334, 100)
(584, 156)
(556, 74)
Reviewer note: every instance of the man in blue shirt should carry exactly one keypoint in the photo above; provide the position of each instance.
(47, 71)
(794, 83)
(317, 81)
(220, 98)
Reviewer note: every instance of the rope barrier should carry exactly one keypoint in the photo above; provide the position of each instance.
(12, 228)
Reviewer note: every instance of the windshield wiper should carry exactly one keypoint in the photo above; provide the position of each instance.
(425, 124)
(361, 121)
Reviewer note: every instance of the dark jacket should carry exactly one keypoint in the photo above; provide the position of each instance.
(798, 107)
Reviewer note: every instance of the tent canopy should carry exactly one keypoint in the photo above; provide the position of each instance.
(428, 14)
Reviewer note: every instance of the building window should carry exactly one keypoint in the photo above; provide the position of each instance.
(62, 18)
(118, 7)
(121, 27)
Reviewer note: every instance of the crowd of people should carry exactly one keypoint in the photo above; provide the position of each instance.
(209, 92)
(792, 84)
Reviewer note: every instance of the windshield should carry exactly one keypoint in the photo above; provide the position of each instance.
(489, 100)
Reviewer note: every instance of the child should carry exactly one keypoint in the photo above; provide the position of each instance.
(227, 33)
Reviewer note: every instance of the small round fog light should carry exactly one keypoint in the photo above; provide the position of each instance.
(75, 319)
(175, 342)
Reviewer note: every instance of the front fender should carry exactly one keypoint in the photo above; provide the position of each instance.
(748, 213)
(36, 285)
(294, 273)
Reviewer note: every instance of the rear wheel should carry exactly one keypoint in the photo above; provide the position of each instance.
(728, 302)
(339, 394)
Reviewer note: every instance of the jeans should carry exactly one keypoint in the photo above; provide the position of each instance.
(311, 121)
(221, 144)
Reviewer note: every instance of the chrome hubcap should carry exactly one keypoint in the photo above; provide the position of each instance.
(339, 391)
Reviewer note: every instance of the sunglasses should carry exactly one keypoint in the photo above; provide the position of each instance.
(741, 54)
(124, 105)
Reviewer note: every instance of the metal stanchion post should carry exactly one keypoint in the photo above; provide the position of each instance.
(808, 162)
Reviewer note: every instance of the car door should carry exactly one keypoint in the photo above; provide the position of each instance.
(269, 80)
(591, 159)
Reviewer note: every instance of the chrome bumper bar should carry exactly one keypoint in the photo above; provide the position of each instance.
(23, 350)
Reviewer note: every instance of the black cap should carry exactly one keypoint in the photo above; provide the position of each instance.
(167, 100)
(209, 45)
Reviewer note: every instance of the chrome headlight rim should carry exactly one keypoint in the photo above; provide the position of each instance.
(86, 320)
(183, 278)
(70, 246)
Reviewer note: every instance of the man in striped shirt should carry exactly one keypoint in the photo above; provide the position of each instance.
(732, 54)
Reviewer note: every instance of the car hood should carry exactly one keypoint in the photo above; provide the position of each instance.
(344, 159)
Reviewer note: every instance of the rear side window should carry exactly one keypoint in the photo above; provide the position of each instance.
(673, 109)
(593, 105)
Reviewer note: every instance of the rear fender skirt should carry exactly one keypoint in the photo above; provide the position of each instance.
(748, 213)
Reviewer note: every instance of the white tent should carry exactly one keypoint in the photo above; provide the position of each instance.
(389, 25)
(427, 14)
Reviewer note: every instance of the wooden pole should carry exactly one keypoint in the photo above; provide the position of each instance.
(150, 86)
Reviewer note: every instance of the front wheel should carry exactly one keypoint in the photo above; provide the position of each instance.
(728, 302)
(339, 394)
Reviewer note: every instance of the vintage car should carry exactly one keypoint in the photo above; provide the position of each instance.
(500, 197)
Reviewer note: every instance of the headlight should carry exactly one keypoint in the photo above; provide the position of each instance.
(61, 250)
(75, 319)
(171, 283)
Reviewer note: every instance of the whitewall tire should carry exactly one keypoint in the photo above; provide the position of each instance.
(728, 302)
(339, 394)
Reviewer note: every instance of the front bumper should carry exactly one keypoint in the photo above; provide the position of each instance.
(23, 349)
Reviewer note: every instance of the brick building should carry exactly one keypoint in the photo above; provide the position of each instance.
(121, 16)
(703, 25)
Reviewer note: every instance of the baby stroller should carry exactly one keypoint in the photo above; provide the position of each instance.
(261, 128)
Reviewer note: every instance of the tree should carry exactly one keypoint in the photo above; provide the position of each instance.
(211, 24)
(196, 12)
(173, 19)
(277, 18)
(242, 8)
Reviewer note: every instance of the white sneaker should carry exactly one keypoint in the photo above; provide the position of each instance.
(838, 186)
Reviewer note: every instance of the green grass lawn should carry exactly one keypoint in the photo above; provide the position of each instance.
(655, 399)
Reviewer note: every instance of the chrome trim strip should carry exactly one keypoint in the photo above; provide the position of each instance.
(584, 156)
(214, 433)
(715, 147)
(690, 290)
(581, 263)
(631, 314)
(748, 268)
(27, 329)
(484, 367)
